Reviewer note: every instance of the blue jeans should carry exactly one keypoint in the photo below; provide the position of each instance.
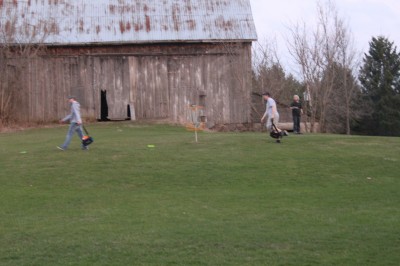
(296, 124)
(72, 128)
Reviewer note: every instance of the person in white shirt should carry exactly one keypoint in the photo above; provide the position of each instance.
(272, 115)
(75, 124)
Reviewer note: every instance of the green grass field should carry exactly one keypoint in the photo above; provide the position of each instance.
(231, 199)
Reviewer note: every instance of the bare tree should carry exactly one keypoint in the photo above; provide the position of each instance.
(305, 50)
(268, 68)
(318, 54)
(349, 65)
(270, 75)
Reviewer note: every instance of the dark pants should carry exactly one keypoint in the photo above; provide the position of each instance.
(296, 124)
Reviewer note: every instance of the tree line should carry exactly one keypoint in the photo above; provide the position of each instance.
(343, 91)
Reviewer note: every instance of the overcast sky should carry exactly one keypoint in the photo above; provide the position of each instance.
(366, 18)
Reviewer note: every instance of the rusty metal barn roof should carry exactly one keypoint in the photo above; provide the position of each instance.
(74, 22)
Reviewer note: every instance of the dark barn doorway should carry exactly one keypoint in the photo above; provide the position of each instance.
(103, 106)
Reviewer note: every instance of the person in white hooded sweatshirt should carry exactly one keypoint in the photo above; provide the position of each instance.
(272, 115)
(75, 124)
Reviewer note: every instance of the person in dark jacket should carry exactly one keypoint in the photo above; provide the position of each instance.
(297, 111)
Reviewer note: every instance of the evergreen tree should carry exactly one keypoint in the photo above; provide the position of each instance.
(380, 78)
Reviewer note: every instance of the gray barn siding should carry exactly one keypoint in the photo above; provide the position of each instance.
(157, 83)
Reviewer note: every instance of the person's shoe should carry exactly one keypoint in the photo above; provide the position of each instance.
(278, 141)
(85, 148)
(285, 133)
(60, 148)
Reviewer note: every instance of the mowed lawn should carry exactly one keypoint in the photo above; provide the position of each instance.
(231, 199)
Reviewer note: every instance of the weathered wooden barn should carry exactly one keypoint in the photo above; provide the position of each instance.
(153, 58)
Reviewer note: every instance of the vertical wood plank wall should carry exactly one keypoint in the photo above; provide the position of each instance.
(156, 86)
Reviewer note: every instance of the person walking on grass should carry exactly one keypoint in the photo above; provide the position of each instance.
(297, 111)
(75, 124)
(272, 115)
